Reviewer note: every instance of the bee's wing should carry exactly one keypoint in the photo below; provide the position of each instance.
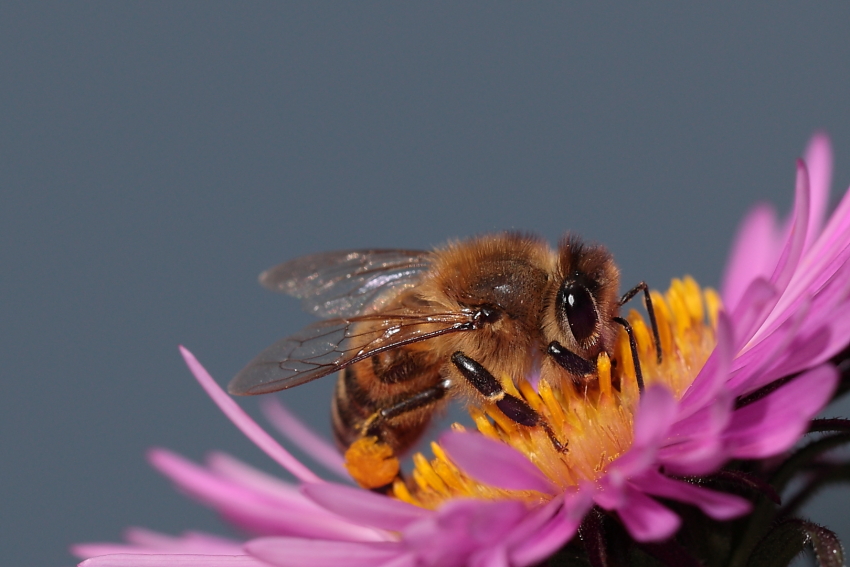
(328, 346)
(341, 284)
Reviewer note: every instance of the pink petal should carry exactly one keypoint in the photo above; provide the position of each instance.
(152, 539)
(463, 526)
(696, 446)
(789, 260)
(297, 552)
(148, 542)
(835, 232)
(96, 549)
(190, 542)
(406, 560)
(256, 512)
(655, 415)
(829, 289)
(226, 467)
(494, 463)
(819, 161)
(537, 517)
(714, 374)
(303, 437)
(826, 261)
(696, 458)
(201, 482)
(750, 365)
(804, 352)
(717, 505)
(711, 419)
(496, 556)
(823, 335)
(245, 424)
(136, 560)
(484, 522)
(774, 423)
(793, 249)
(755, 305)
(754, 252)
(555, 533)
(646, 519)
(364, 507)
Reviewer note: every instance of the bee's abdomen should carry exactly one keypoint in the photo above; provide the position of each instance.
(351, 407)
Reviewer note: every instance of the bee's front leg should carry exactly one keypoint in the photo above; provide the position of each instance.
(578, 366)
(570, 361)
(514, 408)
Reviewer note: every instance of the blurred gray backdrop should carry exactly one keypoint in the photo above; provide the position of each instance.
(155, 157)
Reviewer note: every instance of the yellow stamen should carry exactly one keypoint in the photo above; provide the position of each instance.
(693, 299)
(509, 386)
(428, 478)
(603, 369)
(527, 391)
(401, 492)
(483, 424)
(712, 301)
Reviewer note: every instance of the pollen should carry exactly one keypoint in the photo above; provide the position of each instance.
(594, 418)
(371, 462)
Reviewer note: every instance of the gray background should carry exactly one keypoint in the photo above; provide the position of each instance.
(155, 157)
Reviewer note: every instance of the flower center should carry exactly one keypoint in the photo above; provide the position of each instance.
(595, 418)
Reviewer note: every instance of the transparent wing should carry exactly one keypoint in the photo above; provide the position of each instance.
(343, 283)
(328, 346)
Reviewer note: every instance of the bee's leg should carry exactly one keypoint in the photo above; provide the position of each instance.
(576, 365)
(570, 361)
(514, 408)
(649, 310)
(371, 459)
(633, 348)
(416, 401)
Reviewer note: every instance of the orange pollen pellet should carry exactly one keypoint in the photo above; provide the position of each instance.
(371, 462)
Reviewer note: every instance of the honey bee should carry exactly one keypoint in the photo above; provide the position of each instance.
(408, 330)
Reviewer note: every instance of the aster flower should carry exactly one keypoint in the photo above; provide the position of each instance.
(742, 376)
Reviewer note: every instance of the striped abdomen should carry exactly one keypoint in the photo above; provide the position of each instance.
(383, 382)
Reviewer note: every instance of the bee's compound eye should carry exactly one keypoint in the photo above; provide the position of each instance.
(577, 305)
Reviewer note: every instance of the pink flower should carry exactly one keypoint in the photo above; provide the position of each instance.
(743, 386)
(323, 523)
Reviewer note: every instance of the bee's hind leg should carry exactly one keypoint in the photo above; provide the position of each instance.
(514, 408)
(370, 460)
(416, 401)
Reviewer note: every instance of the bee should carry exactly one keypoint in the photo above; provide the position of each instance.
(408, 330)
